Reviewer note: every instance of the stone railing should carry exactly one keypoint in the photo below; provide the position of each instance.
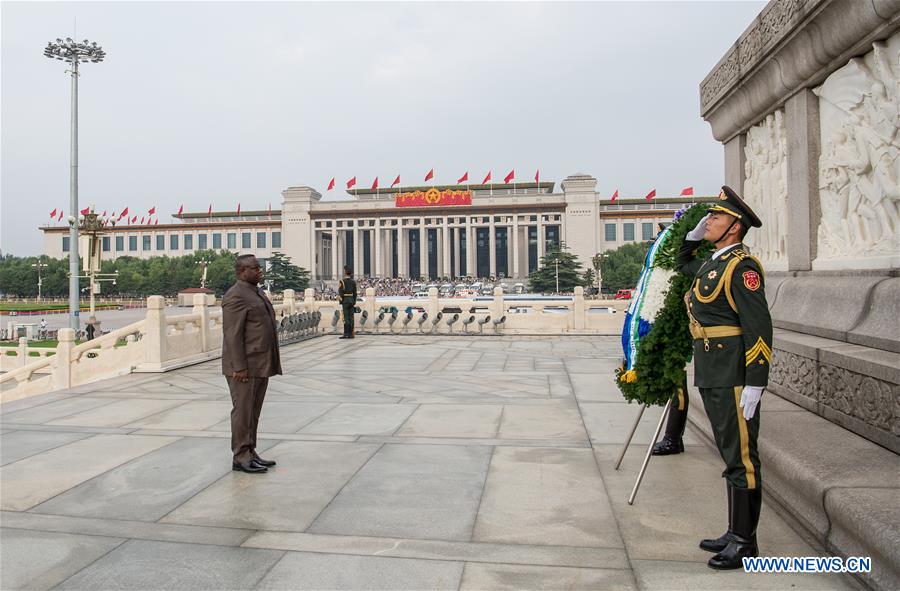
(500, 315)
(20, 356)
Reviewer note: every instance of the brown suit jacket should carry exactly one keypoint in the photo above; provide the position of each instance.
(249, 334)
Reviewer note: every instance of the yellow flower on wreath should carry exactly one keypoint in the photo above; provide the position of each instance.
(629, 376)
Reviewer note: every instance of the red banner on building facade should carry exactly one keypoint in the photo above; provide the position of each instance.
(433, 198)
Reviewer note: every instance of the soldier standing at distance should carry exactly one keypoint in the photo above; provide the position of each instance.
(347, 297)
(732, 331)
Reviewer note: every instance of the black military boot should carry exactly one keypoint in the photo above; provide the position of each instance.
(745, 510)
(668, 446)
(719, 544)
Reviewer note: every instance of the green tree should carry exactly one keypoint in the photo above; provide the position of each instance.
(285, 275)
(621, 268)
(543, 279)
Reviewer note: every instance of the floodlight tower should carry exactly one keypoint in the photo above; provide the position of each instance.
(74, 53)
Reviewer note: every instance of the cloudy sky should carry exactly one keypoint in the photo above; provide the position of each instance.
(227, 102)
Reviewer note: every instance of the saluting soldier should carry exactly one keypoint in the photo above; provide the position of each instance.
(347, 297)
(732, 332)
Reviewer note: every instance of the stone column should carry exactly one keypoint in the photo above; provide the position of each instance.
(801, 119)
(155, 337)
(456, 249)
(357, 259)
(445, 250)
(540, 237)
(492, 248)
(402, 252)
(515, 246)
(734, 163)
(22, 354)
(334, 252)
(423, 249)
(470, 249)
(202, 312)
(378, 253)
(61, 377)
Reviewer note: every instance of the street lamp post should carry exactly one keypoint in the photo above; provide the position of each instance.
(557, 275)
(39, 265)
(74, 53)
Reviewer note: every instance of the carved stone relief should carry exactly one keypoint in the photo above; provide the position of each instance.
(859, 168)
(765, 187)
(871, 400)
(794, 372)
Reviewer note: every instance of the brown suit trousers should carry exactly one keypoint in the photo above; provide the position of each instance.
(249, 343)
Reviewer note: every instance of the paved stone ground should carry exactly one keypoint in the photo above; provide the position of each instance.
(403, 463)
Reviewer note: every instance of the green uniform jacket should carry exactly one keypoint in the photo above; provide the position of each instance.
(729, 291)
(347, 291)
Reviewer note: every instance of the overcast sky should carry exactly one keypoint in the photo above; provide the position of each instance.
(221, 103)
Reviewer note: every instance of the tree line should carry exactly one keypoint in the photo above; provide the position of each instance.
(142, 277)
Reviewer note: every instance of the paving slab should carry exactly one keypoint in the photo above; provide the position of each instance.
(411, 491)
(303, 571)
(545, 496)
(507, 577)
(17, 445)
(361, 419)
(40, 477)
(288, 498)
(195, 415)
(560, 420)
(279, 416)
(691, 576)
(116, 413)
(610, 422)
(43, 413)
(141, 564)
(37, 560)
(453, 420)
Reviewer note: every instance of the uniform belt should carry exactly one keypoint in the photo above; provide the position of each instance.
(704, 333)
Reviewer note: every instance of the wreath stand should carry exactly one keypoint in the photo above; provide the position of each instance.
(634, 427)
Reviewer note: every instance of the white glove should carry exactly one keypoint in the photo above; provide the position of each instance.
(699, 230)
(749, 399)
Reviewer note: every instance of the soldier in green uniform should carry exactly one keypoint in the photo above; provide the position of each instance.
(732, 332)
(347, 297)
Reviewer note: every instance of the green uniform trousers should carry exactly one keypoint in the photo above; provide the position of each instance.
(735, 437)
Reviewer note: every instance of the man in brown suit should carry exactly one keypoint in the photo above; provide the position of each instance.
(249, 357)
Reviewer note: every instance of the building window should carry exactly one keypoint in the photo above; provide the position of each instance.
(260, 240)
(120, 243)
(65, 243)
(647, 231)
(106, 244)
(232, 240)
(145, 242)
(245, 240)
(201, 241)
(217, 241)
(276, 239)
(132, 243)
(628, 232)
(610, 230)
(173, 242)
(189, 242)
(160, 242)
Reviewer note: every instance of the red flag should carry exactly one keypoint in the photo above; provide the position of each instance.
(60, 216)
(510, 177)
(396, 181)
(351, 183)
(463, 179)
(209, 211)
(375, 184)
(134, 219)
(537, 176)
(614, 196)
(239, 208)
(53, 213)
(687, 192)
(331, 184)
(430, 175)
(487, 177)
(152, 210)
(157, 222)
(142, 220)
(124, 213)
(85, 211)
(651, 195)
(181, 209)
(104, 213)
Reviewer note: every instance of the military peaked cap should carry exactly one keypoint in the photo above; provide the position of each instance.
(730, 203)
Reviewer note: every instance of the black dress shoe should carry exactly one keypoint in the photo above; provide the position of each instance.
(344, 337)
(262, 462)
(732, 557)
(668, 446)
(249, 467)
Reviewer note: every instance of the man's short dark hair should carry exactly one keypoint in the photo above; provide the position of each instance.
(348, 270)
(744, 229)
(243, 261)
